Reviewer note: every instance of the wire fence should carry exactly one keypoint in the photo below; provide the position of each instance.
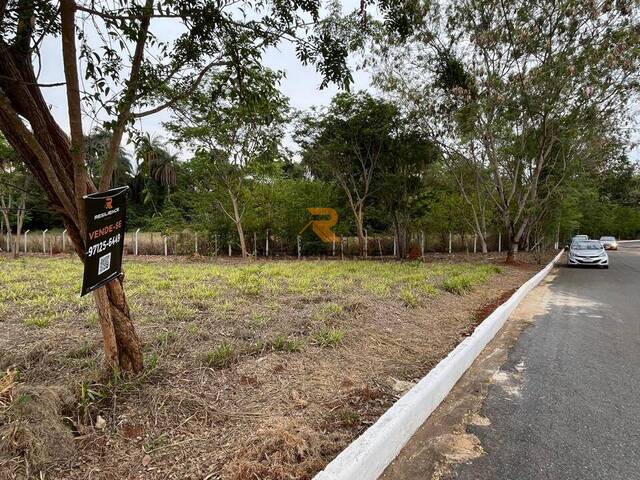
(265, 244)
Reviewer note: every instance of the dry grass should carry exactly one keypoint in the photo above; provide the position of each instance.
(264, 370)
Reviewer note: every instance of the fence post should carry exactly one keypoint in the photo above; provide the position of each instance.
(196, 243)
(266, 245)
(229, 248)
(255, 245)
(164, 237)
(341, 248)
(136, 245)
(64, 240)
(450, 242)
(299, 247)
(25, 240)
(44, 241)
(366, 244)
(379, 246)
(475, 243)
(395, 244)
(215, 244)
(333, 247)
(499, 242)
(422, 244)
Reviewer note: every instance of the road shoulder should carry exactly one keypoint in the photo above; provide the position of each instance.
(443, 440)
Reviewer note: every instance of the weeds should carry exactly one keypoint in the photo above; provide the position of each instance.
(283, 344)
(408, 298)
(328, 337)
(222, 357)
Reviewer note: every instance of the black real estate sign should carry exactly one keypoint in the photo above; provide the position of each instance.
(105, 214)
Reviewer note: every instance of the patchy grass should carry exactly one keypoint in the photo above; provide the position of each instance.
(253, 370)
(221, 357)
(328, 337)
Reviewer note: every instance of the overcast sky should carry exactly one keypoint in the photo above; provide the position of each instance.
(301, 84)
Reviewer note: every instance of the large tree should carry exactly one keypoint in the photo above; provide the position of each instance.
(131, 71)
(517, 90)
(348, 142)
(236, 126)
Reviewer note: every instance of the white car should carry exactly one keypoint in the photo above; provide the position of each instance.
(609, 243)
(588, 252)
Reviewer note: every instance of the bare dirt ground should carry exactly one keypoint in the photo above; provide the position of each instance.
(259, 371)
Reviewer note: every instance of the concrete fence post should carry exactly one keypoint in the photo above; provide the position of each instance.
(299, 239)
(164, 237)
(255, 245)
(421, 243)
(499, 242)
(341, 248)
(475, 243)
(379, 246)
(229, 248)
(135, 251)
(44, 241)
(64, 240)
(395, 244)
(25, 240)
(266, 245)
(450, 240)
(196, 243)
(333, 247)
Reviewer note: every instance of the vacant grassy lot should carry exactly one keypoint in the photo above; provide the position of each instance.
(263, 370)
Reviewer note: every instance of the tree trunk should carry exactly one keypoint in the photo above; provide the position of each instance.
(401, 236)
(483, 242)
(238, 222)
(19, 221)
(360, 234)
(512, 252)
(46, 151)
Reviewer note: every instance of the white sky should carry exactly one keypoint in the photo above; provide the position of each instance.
(301, 84)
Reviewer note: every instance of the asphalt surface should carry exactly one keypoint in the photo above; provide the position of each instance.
(576, 411)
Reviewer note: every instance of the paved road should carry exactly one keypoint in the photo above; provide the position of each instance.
(576, 412)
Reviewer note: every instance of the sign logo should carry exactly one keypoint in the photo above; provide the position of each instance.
(322, 228)
(108, 203)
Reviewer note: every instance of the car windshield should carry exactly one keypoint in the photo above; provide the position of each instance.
(588, 245)
(608, 239)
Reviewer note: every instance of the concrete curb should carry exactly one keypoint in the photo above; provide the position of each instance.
(367, 456)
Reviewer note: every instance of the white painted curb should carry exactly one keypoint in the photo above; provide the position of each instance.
(367, 456)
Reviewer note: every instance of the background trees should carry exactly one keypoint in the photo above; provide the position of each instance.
(521, 93)
(348, 143)
(235, 125)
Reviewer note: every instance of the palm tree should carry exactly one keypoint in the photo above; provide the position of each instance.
(157, 162)
(97, 143)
